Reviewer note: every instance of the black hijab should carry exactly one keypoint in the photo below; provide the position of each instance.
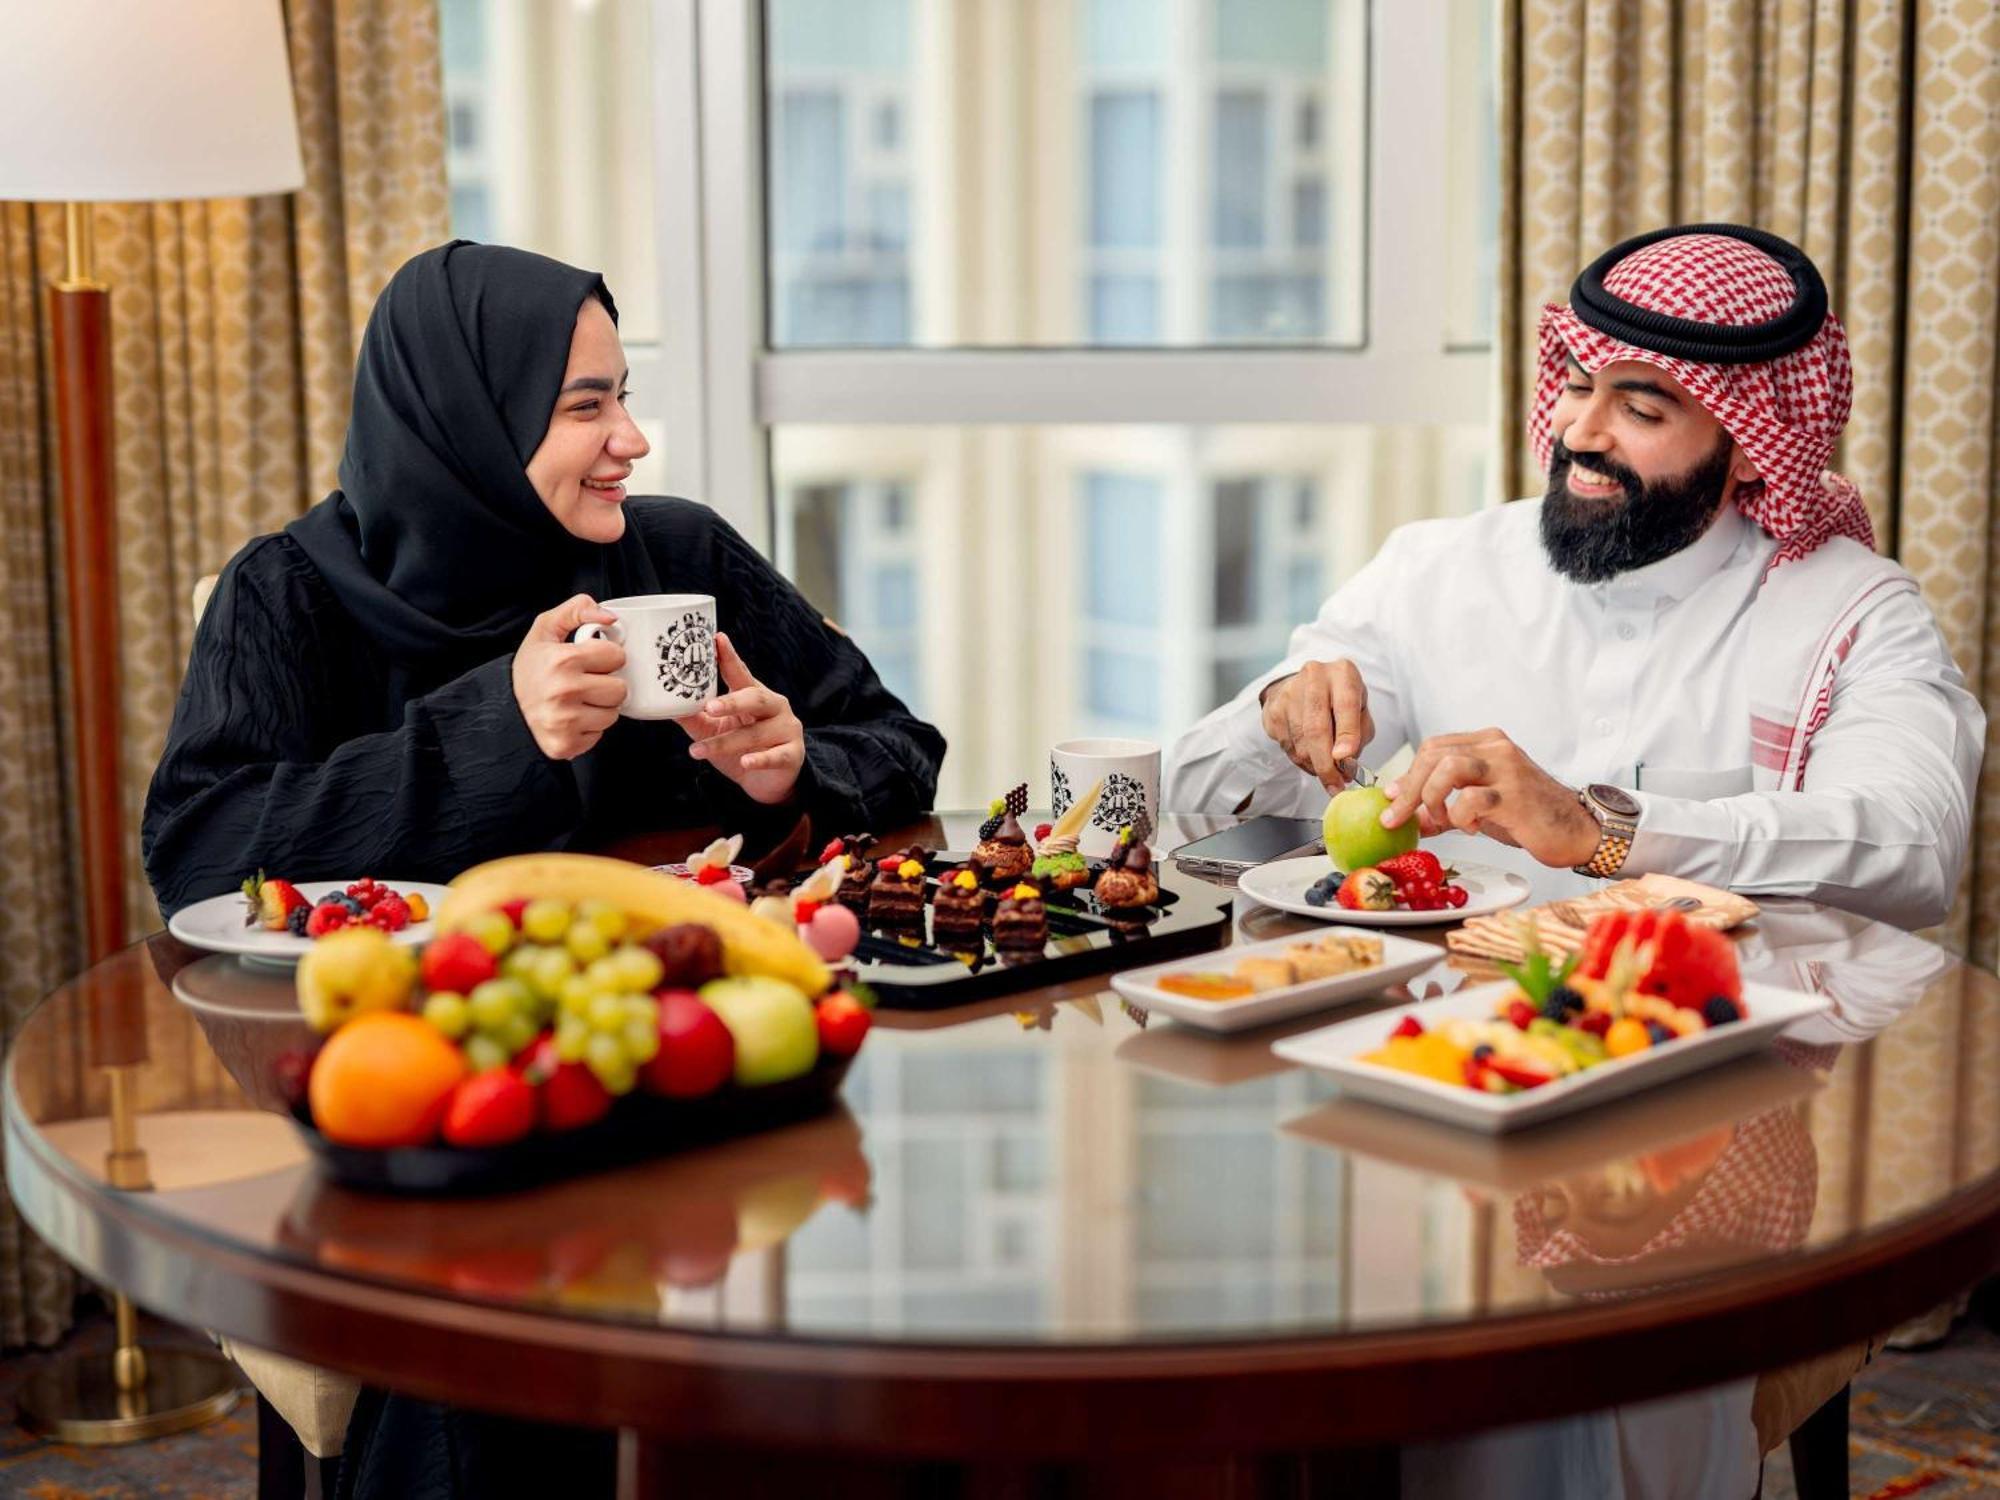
(435, 543)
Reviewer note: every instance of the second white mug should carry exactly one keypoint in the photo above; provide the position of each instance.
(669, 642)
(1130, 771)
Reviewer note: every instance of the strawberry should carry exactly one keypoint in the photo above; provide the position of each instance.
(1408, 1026)
(1520, 1074)
(512, 910)
(834, 849)
(271, 902)
(803, 911)
(457, 963)
(1596, 1022)
(329, 916)
(1417, 865)
(568, 1092)
(711, 875)
(490, 1109)
(1366, 889)
(1521, 1013)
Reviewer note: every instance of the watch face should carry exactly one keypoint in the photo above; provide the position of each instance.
(1616, 799)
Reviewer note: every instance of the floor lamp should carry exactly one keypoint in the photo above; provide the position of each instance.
(124, 101)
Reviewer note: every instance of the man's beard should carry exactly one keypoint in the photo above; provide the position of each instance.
(1592, 540)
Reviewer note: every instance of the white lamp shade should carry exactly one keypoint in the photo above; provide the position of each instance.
(130, 100)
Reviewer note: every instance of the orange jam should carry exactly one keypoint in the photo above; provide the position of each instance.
(1205, 986)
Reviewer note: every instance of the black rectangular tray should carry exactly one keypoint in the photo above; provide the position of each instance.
(640, 1126)
(908, 972)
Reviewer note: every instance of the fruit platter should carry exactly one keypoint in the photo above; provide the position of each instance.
(1376, 876)
(274, 920)
(1651, 996)
(570, 1013)
(931, 928)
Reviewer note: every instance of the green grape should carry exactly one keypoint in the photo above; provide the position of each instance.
(607, 919)
(553, 970)
(640, 1008)
(577, 993)
(605, 1057)
(640, 967)
(493, 931)
(572, 1036)
(642, 1040)
(520, 961)
(493, 1003)
(585, 943)
(606, 1013)
(545, 921)
(606, 974)
(483, 1054)
(515, 1033)
(447, 1014)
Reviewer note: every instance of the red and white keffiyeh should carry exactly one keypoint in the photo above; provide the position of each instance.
(1787, 412)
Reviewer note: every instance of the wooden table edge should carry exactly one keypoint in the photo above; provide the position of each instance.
(1016, 1401)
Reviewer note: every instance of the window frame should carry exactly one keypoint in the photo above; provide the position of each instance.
(716, 388)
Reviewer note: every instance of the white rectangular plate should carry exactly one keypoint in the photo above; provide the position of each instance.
(1402, 958)
(1336, 1050)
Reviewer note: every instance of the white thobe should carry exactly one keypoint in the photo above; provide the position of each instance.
(1642, 681)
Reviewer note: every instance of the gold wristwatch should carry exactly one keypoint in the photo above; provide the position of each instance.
(1617, 814)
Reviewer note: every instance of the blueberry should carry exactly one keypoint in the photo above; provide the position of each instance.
(1318, 897)
(1483, 1051)
(1659, 1032)
(1720, 1011)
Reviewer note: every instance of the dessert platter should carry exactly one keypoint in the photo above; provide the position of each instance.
(931, 928)
(273, 920)
(571, 1013)
(1650, 996)
(1257, 984)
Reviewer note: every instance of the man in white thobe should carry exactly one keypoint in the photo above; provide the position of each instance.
(1685, 657)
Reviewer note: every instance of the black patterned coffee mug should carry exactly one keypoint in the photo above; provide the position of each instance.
(669, 642)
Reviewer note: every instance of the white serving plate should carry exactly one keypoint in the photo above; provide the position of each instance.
(217, 923)
(1283, 883)
(1402, 958)
(1336, 1050)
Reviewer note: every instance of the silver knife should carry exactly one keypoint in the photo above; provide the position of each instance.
(1356, 773)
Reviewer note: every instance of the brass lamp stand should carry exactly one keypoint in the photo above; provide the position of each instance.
(138, 1392)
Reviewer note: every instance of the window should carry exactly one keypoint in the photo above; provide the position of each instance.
(935, 345)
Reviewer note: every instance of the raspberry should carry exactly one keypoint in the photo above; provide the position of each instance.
(1596, 1022)
(1521, 1013)
(1042, 831)
(329, 916)
(711, 875)
(390, 912)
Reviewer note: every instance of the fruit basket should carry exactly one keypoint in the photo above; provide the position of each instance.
(638, 1128)
(572, 1013)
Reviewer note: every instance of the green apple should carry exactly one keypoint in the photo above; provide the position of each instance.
(772, 1024)
(1355, 837)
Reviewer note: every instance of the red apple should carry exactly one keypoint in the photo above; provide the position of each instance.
(697, 1054)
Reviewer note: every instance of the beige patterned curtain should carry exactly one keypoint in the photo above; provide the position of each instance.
(1867, 132)
(235, 325)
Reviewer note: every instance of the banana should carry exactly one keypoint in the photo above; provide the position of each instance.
(650, 900)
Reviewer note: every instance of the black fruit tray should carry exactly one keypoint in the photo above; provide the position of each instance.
(640, 1126)
(908, 971)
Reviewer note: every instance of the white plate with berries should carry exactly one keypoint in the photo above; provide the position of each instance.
(1411, 890)
(263, 921)
(1438, 1037)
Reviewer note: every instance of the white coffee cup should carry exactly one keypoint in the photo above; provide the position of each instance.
(669, 642)
(1130, 771)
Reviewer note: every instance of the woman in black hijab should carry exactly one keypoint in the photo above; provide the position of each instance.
(387, 687)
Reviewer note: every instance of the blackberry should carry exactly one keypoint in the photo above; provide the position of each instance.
(1659, 1032)
(1720, 1011)
(1483, 1051)
(296, 919)
(1563, 1002)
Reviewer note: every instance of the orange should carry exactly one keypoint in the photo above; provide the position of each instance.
(383, 1079)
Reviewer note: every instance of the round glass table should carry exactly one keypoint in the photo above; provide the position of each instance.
(1041, 1230)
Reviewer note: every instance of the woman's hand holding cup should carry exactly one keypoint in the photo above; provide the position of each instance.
(750, 733)
(569, 691)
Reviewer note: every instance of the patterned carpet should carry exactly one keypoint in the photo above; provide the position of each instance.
(1923, 1424)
